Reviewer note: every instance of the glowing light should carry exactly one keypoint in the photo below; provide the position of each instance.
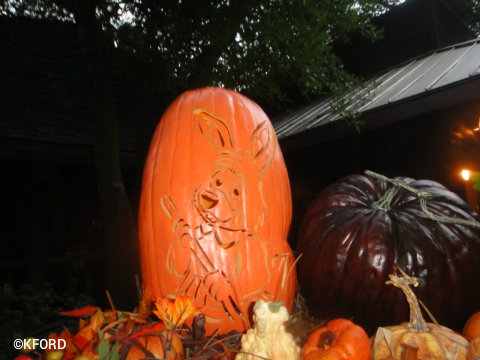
(466, 174)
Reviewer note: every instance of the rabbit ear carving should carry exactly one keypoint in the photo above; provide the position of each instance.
(262, 147)
(214, 129)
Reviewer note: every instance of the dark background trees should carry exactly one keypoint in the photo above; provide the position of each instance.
(280, 53)
(277, 52)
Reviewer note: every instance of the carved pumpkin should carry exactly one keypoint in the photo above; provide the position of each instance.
(215, 208)
(339, 339)
(359, 229)
(416, 339)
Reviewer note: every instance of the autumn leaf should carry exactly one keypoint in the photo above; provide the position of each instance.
(90, 331)
(70, 347)
(85, 311)
(146, 330)
(89, 351)
(174, 314)
(80, 341)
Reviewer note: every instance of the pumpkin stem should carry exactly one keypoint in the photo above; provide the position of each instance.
(416, 319)
(384, 202)
(327, 339)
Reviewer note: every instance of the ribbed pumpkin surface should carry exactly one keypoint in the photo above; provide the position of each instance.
(359, 229)
(215, 208)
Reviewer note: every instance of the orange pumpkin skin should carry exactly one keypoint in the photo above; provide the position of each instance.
(215, 209)
(156, 344)
(151, 343)
(472, 327)
(340, 339)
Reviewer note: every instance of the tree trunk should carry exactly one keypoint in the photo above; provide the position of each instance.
(121, 246)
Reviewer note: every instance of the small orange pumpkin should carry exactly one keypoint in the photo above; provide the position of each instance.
(417, 338)
(152, 344)
(215, 209)
(472, 327)
(155, 345)
(340, 339)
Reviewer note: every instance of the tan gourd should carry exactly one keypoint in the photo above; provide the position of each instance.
(417, 339)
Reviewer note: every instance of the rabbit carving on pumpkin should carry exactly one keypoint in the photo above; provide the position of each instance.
(222, 225)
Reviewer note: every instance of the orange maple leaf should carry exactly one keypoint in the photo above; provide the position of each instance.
(174, 314)
(90, 331)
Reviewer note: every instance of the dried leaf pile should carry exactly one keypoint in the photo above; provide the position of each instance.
(173, 329)
(115, 335)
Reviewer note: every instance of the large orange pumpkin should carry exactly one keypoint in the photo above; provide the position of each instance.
(215, 208)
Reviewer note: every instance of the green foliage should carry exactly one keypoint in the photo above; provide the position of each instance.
(476, 180)
(43, 9)
(26, 310)
(285, 52)
(105, 353)
(278, 52)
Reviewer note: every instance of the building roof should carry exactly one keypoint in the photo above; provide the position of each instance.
(438, 79)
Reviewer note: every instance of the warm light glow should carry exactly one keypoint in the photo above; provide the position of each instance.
(465, 174)
(466, 132)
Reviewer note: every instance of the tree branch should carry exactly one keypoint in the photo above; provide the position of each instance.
(211, 53)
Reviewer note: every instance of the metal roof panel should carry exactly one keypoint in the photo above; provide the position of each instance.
(463, 66)
(413, 78)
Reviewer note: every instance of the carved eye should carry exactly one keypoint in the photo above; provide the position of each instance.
(236, 192)
(218, 182)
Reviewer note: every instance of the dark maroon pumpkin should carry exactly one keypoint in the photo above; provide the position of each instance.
(359, 229)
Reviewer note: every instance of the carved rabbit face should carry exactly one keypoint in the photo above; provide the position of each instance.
(221, 200)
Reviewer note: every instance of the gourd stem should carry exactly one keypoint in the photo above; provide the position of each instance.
(417, 321)
(384, 202)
